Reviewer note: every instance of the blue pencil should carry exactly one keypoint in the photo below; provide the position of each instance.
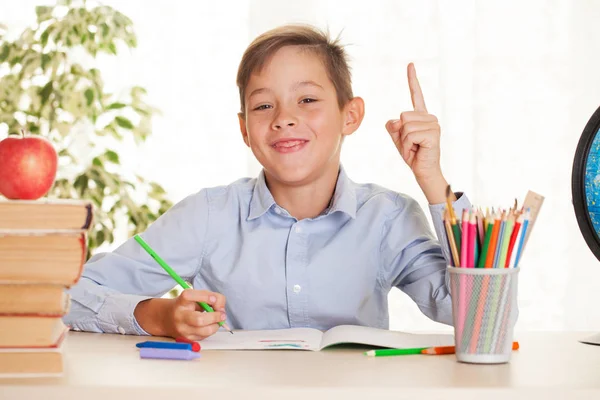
(522, 239)
(164, 345)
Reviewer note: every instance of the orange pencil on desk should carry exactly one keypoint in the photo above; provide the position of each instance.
(451, 350)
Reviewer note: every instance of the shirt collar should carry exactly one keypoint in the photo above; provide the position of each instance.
(262, 199)
(344, 197)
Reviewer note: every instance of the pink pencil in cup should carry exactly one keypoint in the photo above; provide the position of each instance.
(464, 245)
(462, 311)
(472, 238)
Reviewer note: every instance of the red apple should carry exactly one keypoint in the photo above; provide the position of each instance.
(27, 167)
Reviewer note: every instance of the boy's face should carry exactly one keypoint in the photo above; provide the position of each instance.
(293, 122)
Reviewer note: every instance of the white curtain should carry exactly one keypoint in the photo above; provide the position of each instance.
(512, 83)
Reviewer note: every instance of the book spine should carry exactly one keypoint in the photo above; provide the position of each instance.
(83, 242)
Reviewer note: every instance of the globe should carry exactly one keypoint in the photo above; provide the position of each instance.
(585, 188)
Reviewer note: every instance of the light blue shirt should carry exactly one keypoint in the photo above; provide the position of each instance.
(275, 271)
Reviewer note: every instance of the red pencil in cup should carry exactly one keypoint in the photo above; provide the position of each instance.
(513, 240)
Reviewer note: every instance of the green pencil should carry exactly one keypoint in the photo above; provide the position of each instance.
(457, 234)
(486, 245)
(174, 275)
(394, 352)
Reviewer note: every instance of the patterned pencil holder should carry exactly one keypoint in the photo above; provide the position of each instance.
(484, 310)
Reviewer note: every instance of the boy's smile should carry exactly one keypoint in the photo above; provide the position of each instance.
(289, 145)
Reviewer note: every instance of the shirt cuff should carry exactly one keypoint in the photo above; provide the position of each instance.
(460, 203)
(116, 314)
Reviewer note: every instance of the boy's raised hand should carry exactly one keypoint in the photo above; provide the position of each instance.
(417, 137)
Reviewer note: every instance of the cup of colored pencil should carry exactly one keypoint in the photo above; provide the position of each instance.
(485, 250)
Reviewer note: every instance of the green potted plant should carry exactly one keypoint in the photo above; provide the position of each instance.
(47, 89)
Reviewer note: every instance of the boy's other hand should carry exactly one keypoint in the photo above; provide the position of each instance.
(417, 137)
(182, 316)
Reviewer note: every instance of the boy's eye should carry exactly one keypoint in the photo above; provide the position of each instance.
(262, 107)
(308, 100)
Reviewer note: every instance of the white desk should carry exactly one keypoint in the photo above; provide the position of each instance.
(108, 367)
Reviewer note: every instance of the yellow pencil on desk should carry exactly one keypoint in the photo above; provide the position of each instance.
(174, 275)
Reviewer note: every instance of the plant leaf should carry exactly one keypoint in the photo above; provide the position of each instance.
(4, 53)
(116, 106)
(45, 92)
(44, 38)
(97, 162)
(45, 61)
(112, 156)
(124, 122)
(100, 238)
(89, 96)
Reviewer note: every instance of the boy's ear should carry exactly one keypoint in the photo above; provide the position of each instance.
(354, 112)
(243, 129)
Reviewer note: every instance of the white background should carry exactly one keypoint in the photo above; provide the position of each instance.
(513, 84)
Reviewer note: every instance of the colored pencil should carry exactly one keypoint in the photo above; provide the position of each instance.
(487, 218)
(451, 242)
(432, 351)
(499, 242)
(167, 345)
(471, 247)
(395, 352)
(453, 222)
(522, 238)
(174, 275)
(451, 349)
(486, 245)
(510, 223)
(489, 261)
(464, 250)
(513, 240)
(480, 227)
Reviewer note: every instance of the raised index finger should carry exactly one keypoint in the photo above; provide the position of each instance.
(416, 94)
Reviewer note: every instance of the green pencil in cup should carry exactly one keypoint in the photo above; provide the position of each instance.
(174, 275)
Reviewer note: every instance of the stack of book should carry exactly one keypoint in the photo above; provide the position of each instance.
(43, 246)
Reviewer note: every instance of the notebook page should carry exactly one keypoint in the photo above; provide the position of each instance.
(288, 339)
(384, 338)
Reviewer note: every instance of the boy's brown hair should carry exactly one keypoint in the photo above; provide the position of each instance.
(332, 54)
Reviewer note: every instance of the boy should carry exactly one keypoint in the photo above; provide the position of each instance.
(299, 246)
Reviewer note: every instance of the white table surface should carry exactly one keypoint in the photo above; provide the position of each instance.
(103, 366)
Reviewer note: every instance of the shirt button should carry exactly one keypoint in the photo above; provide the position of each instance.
(121, 330)
(297, 288)
(277, 210)
(298, 229)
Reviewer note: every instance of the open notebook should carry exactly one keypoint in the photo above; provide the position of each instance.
(315, 340)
